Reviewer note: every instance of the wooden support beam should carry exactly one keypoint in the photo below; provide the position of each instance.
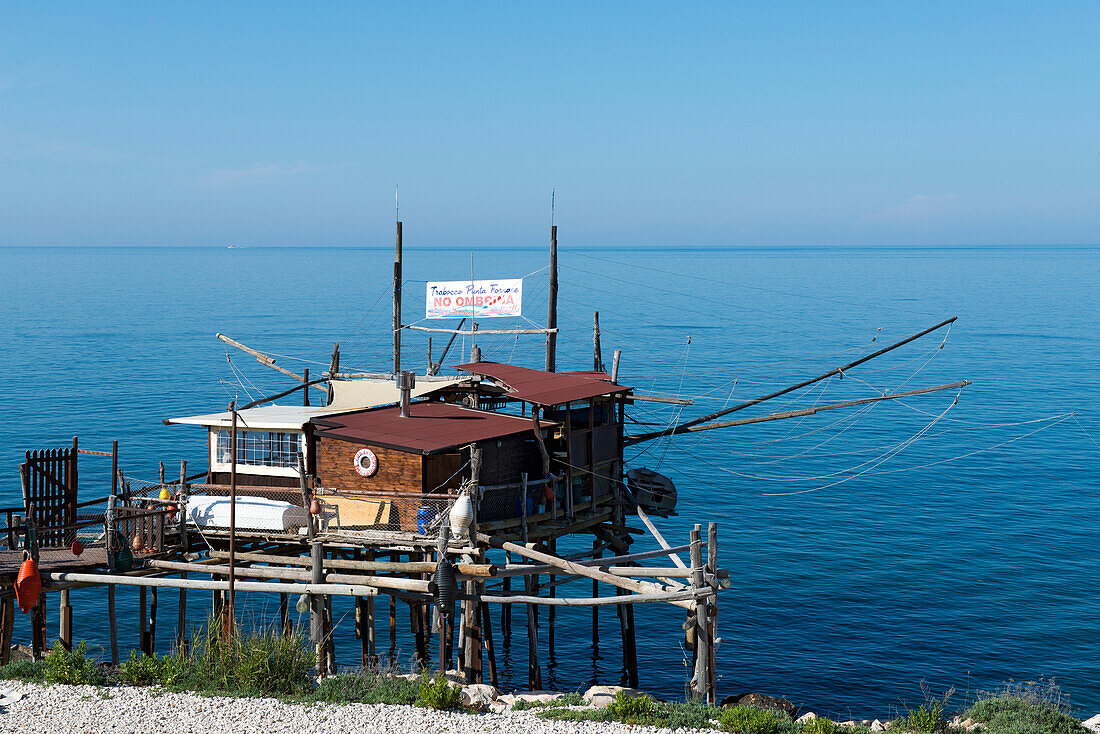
(253, 586)
(577, 569)
(264, 359)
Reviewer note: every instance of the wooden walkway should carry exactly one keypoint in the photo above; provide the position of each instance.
(50, 559)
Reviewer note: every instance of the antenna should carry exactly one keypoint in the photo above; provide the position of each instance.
(396, 205)
(552, 192)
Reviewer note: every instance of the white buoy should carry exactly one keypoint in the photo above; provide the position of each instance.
(462, 515)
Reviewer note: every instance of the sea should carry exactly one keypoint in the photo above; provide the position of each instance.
(947, 540)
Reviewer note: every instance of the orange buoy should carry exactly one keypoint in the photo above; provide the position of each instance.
(549, 493)
(172, 511)
(27, 585)
(77, 548)
(137, 543)
(315, 507)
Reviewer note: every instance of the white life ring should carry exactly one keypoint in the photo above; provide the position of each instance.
(366, 462)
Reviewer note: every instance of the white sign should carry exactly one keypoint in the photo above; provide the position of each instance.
(476, 298)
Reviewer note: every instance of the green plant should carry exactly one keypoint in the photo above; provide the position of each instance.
(930, 716)
(142, 670)
(748, 720)
(819, 725)
(28, 670)
(631, 708)
(72, 668)
(438, 693)
(1034, 707)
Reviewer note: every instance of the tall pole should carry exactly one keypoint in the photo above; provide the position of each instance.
(231, 610)
(397, 303)
(552, 304)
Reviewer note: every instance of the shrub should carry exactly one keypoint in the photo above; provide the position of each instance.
(1016, 715)
(438, 693)
(631, 708)
(142, 670)
(73, 668)
(820, 725)
(748, 720)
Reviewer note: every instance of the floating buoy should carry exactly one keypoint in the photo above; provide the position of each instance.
(77, 548)
(27, 585)
(315, 507)
(172, 511)
(137, 543)
(444, 586)
(165, 494)
(462, 514)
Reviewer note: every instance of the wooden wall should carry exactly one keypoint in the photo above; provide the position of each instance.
(397, 470)
(503, 464)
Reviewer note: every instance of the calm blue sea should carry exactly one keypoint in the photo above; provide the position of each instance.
(870, 548)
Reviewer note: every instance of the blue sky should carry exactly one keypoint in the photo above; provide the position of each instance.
(657, 123)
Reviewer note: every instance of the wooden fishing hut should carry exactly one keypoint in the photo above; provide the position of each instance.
(426, 489)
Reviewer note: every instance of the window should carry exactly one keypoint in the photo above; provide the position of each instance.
(261, 448)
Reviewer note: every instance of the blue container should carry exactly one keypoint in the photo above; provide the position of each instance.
(424, 517)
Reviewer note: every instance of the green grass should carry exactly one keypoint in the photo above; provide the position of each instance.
(31, 671)
(365, 686)
(690, 715)
(568, 699)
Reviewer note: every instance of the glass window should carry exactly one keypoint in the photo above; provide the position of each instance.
(261, 448)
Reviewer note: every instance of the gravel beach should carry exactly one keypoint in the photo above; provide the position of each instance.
(59, 709)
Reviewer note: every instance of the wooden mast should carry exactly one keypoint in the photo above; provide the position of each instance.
(397, 303)
(552, 304)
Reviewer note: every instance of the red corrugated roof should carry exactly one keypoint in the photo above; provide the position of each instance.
(546, 388)
(429, 427)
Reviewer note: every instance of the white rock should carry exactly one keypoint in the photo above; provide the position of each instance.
(530, 696)
(479, 695)
(603, 696)
(1092, 724)
(806, 717)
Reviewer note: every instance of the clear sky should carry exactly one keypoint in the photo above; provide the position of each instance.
(657, 123)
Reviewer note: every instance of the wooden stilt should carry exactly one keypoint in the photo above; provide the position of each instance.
(38, 628)
(7, 624)
(487, 632)
(142, 619)
(65, 632)
(712, 613)
(506, 609)
(393, 626)
(534, 672)
(596, 553)
(551, 613)
(317, 610)
(420, 632)
(112, 621)
(284, 613)
(181, 611)
(151, 634)
(700, 676)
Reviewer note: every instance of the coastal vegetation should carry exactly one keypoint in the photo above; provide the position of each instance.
(271, 663)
